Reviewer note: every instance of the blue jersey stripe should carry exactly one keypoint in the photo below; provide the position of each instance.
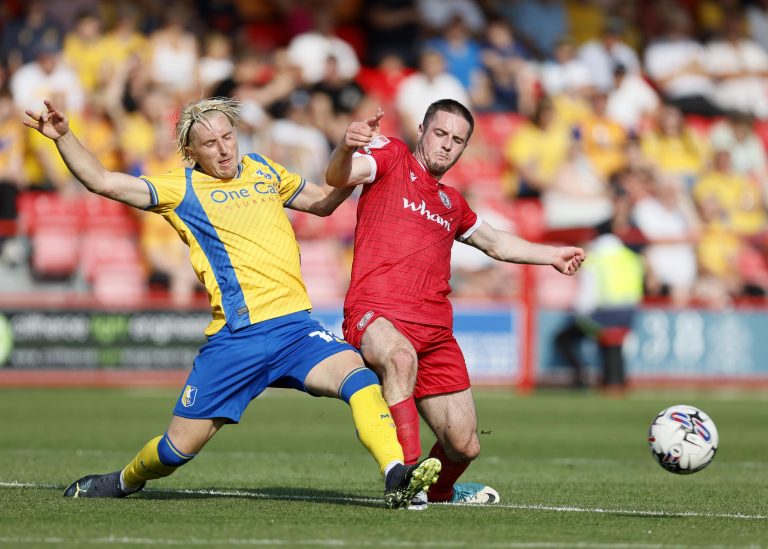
(153, 200)
(258, 158)
(296, 193)
(191, 212)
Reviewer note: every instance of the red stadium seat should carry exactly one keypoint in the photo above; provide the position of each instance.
(103, 214)
(101, 250)
(55, 253)
(39, 209)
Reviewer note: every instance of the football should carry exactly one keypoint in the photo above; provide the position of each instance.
(683, 439)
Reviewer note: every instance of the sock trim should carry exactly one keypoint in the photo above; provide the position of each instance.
(357, 379)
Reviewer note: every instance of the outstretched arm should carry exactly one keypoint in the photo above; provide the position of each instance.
(344, 170)
(84, 166)
(507, 247)
(320, 200)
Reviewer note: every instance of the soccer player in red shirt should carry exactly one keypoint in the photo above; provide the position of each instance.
(397, 310)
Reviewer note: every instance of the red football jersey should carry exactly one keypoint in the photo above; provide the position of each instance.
(406, 224)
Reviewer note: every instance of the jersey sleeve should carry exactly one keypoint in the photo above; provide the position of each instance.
(166, 191)
(470, 221)
(381, 153)
(289, 184)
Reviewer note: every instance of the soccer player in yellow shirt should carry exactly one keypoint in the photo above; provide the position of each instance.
(230, 211)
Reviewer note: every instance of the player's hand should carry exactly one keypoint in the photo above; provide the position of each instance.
(568, 259)
(361, 133)
(50, 121)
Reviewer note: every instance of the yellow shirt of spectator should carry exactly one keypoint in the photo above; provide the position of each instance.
(738, 196)
(542, 151)
(683, 155)
(242, 245)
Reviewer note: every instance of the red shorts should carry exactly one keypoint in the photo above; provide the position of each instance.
(442, 368)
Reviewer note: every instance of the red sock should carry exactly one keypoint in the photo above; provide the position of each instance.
(442, 490)
(406, 419)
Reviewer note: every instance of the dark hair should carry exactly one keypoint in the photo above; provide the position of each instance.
(450, 106)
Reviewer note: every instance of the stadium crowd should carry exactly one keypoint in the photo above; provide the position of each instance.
(648, 115)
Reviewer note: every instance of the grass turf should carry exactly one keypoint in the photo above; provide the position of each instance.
(573, 470)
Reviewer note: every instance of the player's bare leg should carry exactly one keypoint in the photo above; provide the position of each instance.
(393, 358)
(159, 458)
(453, 419)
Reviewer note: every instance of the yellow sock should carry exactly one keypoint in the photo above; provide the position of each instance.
(375, 427)
(146, 465)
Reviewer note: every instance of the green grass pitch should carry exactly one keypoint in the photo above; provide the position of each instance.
(573, 470)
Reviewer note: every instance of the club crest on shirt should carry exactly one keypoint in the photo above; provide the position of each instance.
(378, 142)
(188, 396)
(363, 321)
(444, 199)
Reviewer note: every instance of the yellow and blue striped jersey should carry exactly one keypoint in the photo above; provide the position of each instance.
(242, 245)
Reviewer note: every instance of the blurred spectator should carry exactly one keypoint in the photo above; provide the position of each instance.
(740, 67)
(676, 64)
(739, 197)
(539, 24)
(392, 28)
(124, 42)
(437, 14)
(23, 37)
(47, 75)
(139, 130)
(335, 101)
(674, 148)
(748, 156)
(83, 51)
(610, 290)
(461, 53)
(11, 173)
(418, 90)
(310, 51)
(586, 19)
(475, 275)
(711, 16)
(564, 73)
(536, 153)
(718, 252)
(578, 196)
(299, 145)
(511, 80)
(167, 259)
(669, 224)
(603, 138)
(757, 22)
(602, 56)
(632, 102)
(99, 135)
(173, 57)
(216, 62)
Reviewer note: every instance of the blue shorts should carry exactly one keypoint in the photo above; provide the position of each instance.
(233, 368)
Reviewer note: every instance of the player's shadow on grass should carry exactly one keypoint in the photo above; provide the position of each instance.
(305, 495)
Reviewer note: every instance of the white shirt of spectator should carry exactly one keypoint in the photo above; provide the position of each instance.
(747, 93)
(601, 62)
(30, 85)
(417, 92)
(310, 51)
(630, 101)
(665, 58)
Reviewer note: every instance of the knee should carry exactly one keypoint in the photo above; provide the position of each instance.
(402, 362)
(465, 450)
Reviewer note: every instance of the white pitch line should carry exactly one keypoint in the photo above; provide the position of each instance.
(271, 542)
(363, 500)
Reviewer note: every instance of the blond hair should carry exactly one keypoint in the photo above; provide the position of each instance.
(201, 111)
